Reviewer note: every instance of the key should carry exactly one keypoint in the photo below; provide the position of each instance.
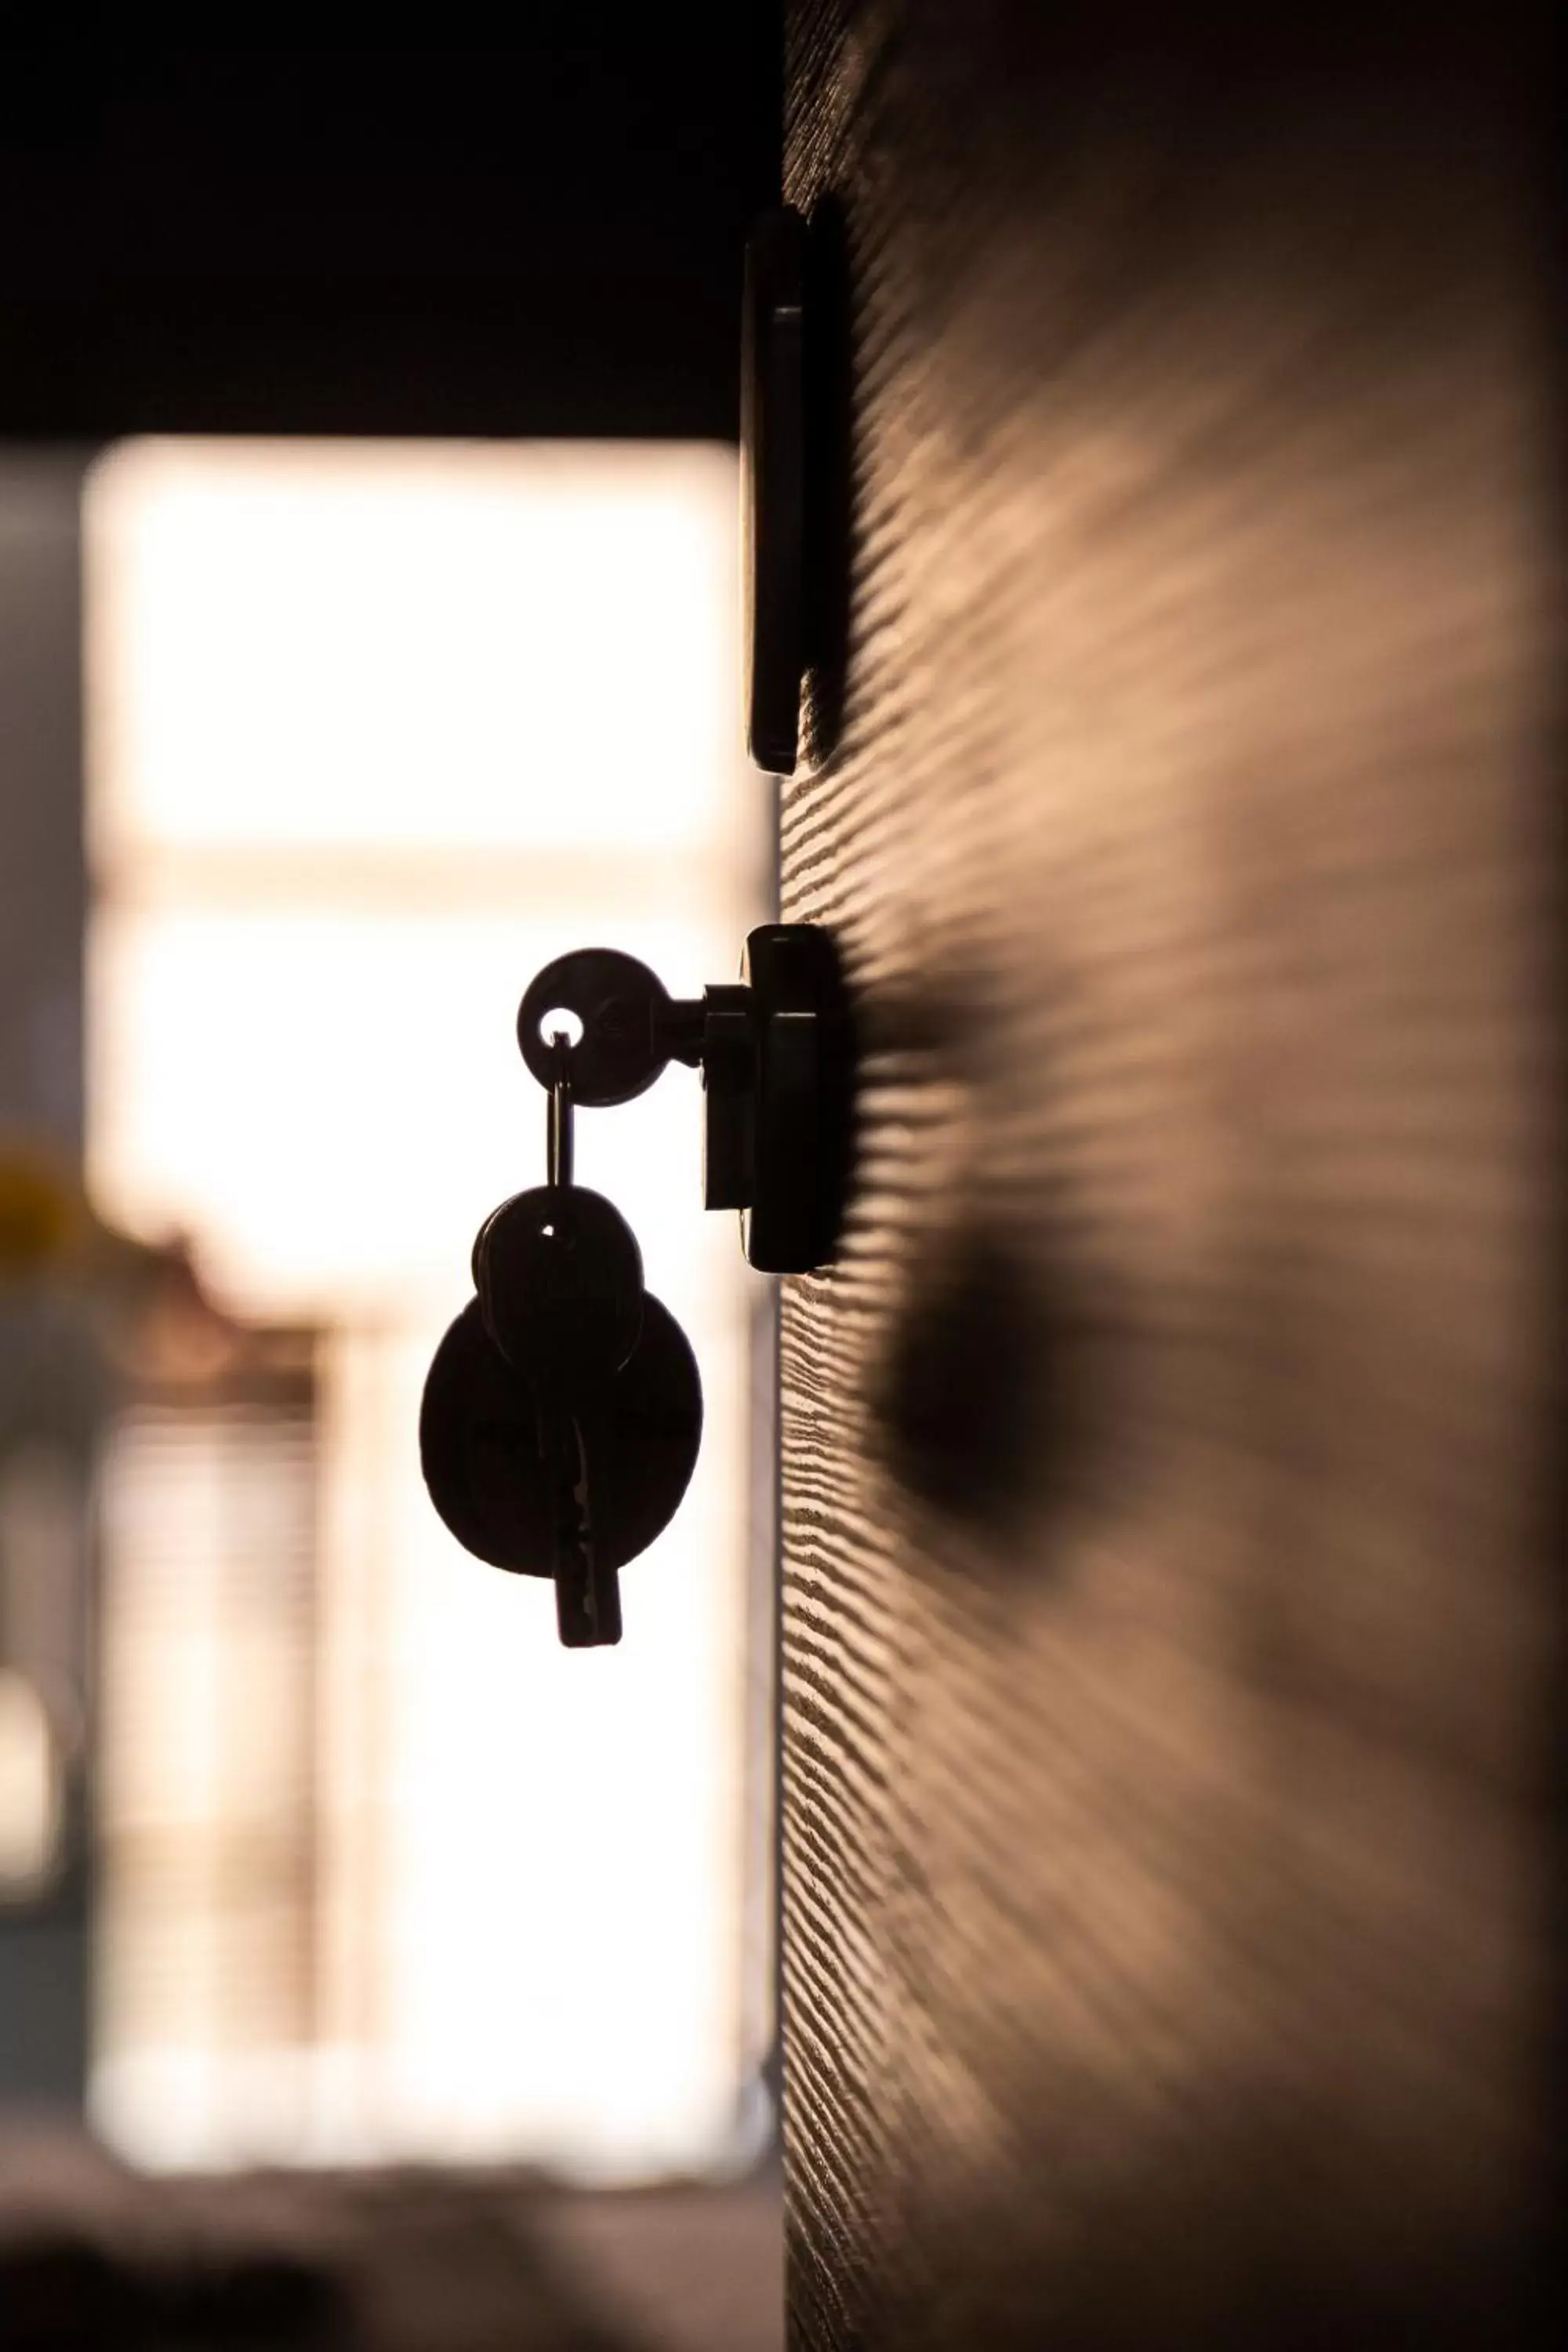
(563, 1415)
(558, 1277)
(587, 1590)
(557, 1270)
(631, 1026)
(500, 1482)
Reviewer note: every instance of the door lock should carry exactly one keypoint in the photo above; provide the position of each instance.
(776, 1053)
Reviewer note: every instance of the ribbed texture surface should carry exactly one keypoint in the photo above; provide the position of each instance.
(1168, 1468)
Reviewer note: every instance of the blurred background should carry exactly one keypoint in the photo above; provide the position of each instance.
(368, 612)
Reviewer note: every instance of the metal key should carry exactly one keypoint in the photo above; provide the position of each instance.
(631, 1027)
(559, 1281)
(559, 1278)
(482, 1447)
(558, 1270)
(587, 1589)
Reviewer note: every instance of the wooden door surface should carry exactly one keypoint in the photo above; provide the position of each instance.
(1170, 1466)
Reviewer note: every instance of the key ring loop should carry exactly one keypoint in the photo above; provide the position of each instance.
(559, 1134)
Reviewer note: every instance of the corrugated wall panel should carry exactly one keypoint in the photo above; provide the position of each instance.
(1170, 1468)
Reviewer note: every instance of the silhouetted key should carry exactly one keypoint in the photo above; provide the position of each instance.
(558, 1277)
(498, 1462)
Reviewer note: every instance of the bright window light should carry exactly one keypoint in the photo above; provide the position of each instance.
(29, 1792)
(373, 731)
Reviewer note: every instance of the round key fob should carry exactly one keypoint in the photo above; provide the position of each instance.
(558, 1277)
(490, 1478)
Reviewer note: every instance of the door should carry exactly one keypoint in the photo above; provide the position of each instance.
(1172, 1613)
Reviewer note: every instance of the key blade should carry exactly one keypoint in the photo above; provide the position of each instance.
(588, 1594)
(580, 1626)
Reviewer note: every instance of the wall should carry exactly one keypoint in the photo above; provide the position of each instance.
(1172, 1613)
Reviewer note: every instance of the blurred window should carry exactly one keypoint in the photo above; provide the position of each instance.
(373, 731)
(40, 1518)
(29, 1795)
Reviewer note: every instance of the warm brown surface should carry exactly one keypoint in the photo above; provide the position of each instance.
(94, 2259)
(1172, 1611)
(689, 2270)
